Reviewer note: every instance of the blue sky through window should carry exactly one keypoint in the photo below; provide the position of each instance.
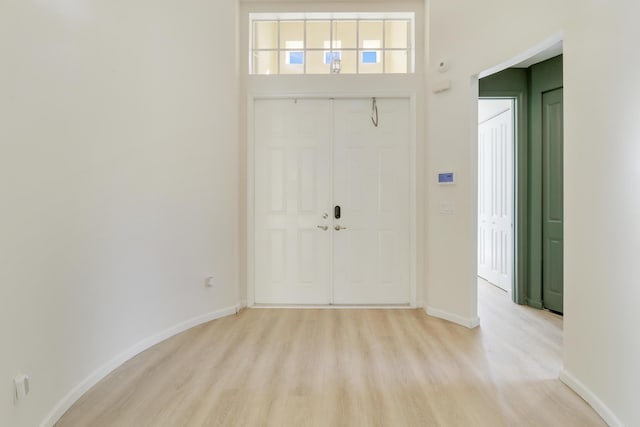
(369, 57)
(296, 58)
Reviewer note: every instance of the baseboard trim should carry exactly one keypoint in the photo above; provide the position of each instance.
(334, 306)
(590, 397)
(67, 401)
(454, 318)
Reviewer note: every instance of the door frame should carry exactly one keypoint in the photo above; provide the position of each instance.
(545, 76)
(527, 89)
(250, 176)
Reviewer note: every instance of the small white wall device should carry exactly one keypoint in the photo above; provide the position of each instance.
(443, 65)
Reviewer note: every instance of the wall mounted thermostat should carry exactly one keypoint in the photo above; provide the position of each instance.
(446, 178)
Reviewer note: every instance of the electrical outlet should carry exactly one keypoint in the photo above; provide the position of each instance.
(22, 386)
(210, 282)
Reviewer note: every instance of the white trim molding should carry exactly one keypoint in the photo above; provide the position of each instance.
(454, 318)
(590, 397)
(333, 307)
(67, 401)
(550, 42)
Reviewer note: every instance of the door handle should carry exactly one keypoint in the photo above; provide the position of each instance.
(323, 227)
(338, 228)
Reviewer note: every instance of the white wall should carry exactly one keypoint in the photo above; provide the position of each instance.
(602, 210)
(118, 182)
(470, 36)
(602, 204)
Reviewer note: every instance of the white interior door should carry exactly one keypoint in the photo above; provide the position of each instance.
(495, 192)
(292, 256)
(371, 186)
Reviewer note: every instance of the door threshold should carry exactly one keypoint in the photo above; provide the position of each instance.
(335, 306)
(557, 313)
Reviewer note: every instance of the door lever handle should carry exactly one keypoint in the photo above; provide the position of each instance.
(338, 228)
(323, 227)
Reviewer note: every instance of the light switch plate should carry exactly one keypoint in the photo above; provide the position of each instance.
(210, 282)
(446, 209)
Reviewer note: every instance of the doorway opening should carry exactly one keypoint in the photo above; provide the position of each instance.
(496, 148)
(535, 86)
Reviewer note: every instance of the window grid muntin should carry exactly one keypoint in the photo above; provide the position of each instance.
(357, 49)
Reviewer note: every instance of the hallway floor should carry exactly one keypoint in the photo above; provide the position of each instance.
(315, 367)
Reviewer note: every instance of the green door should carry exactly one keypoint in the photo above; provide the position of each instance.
(552, 254)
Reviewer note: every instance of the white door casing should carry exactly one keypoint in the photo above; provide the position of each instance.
(495, 199)
(369, 262)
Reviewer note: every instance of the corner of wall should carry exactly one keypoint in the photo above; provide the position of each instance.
(471, 322)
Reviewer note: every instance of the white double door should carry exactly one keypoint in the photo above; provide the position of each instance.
(311, 156)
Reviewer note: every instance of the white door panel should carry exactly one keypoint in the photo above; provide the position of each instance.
(371, 185)
(495, 199)
(292, 190)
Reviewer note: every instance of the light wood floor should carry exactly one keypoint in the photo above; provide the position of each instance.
(279, 367)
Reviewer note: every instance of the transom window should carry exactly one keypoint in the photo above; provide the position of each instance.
(336, 43)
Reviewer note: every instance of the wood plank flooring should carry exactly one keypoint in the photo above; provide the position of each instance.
(287, 367)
